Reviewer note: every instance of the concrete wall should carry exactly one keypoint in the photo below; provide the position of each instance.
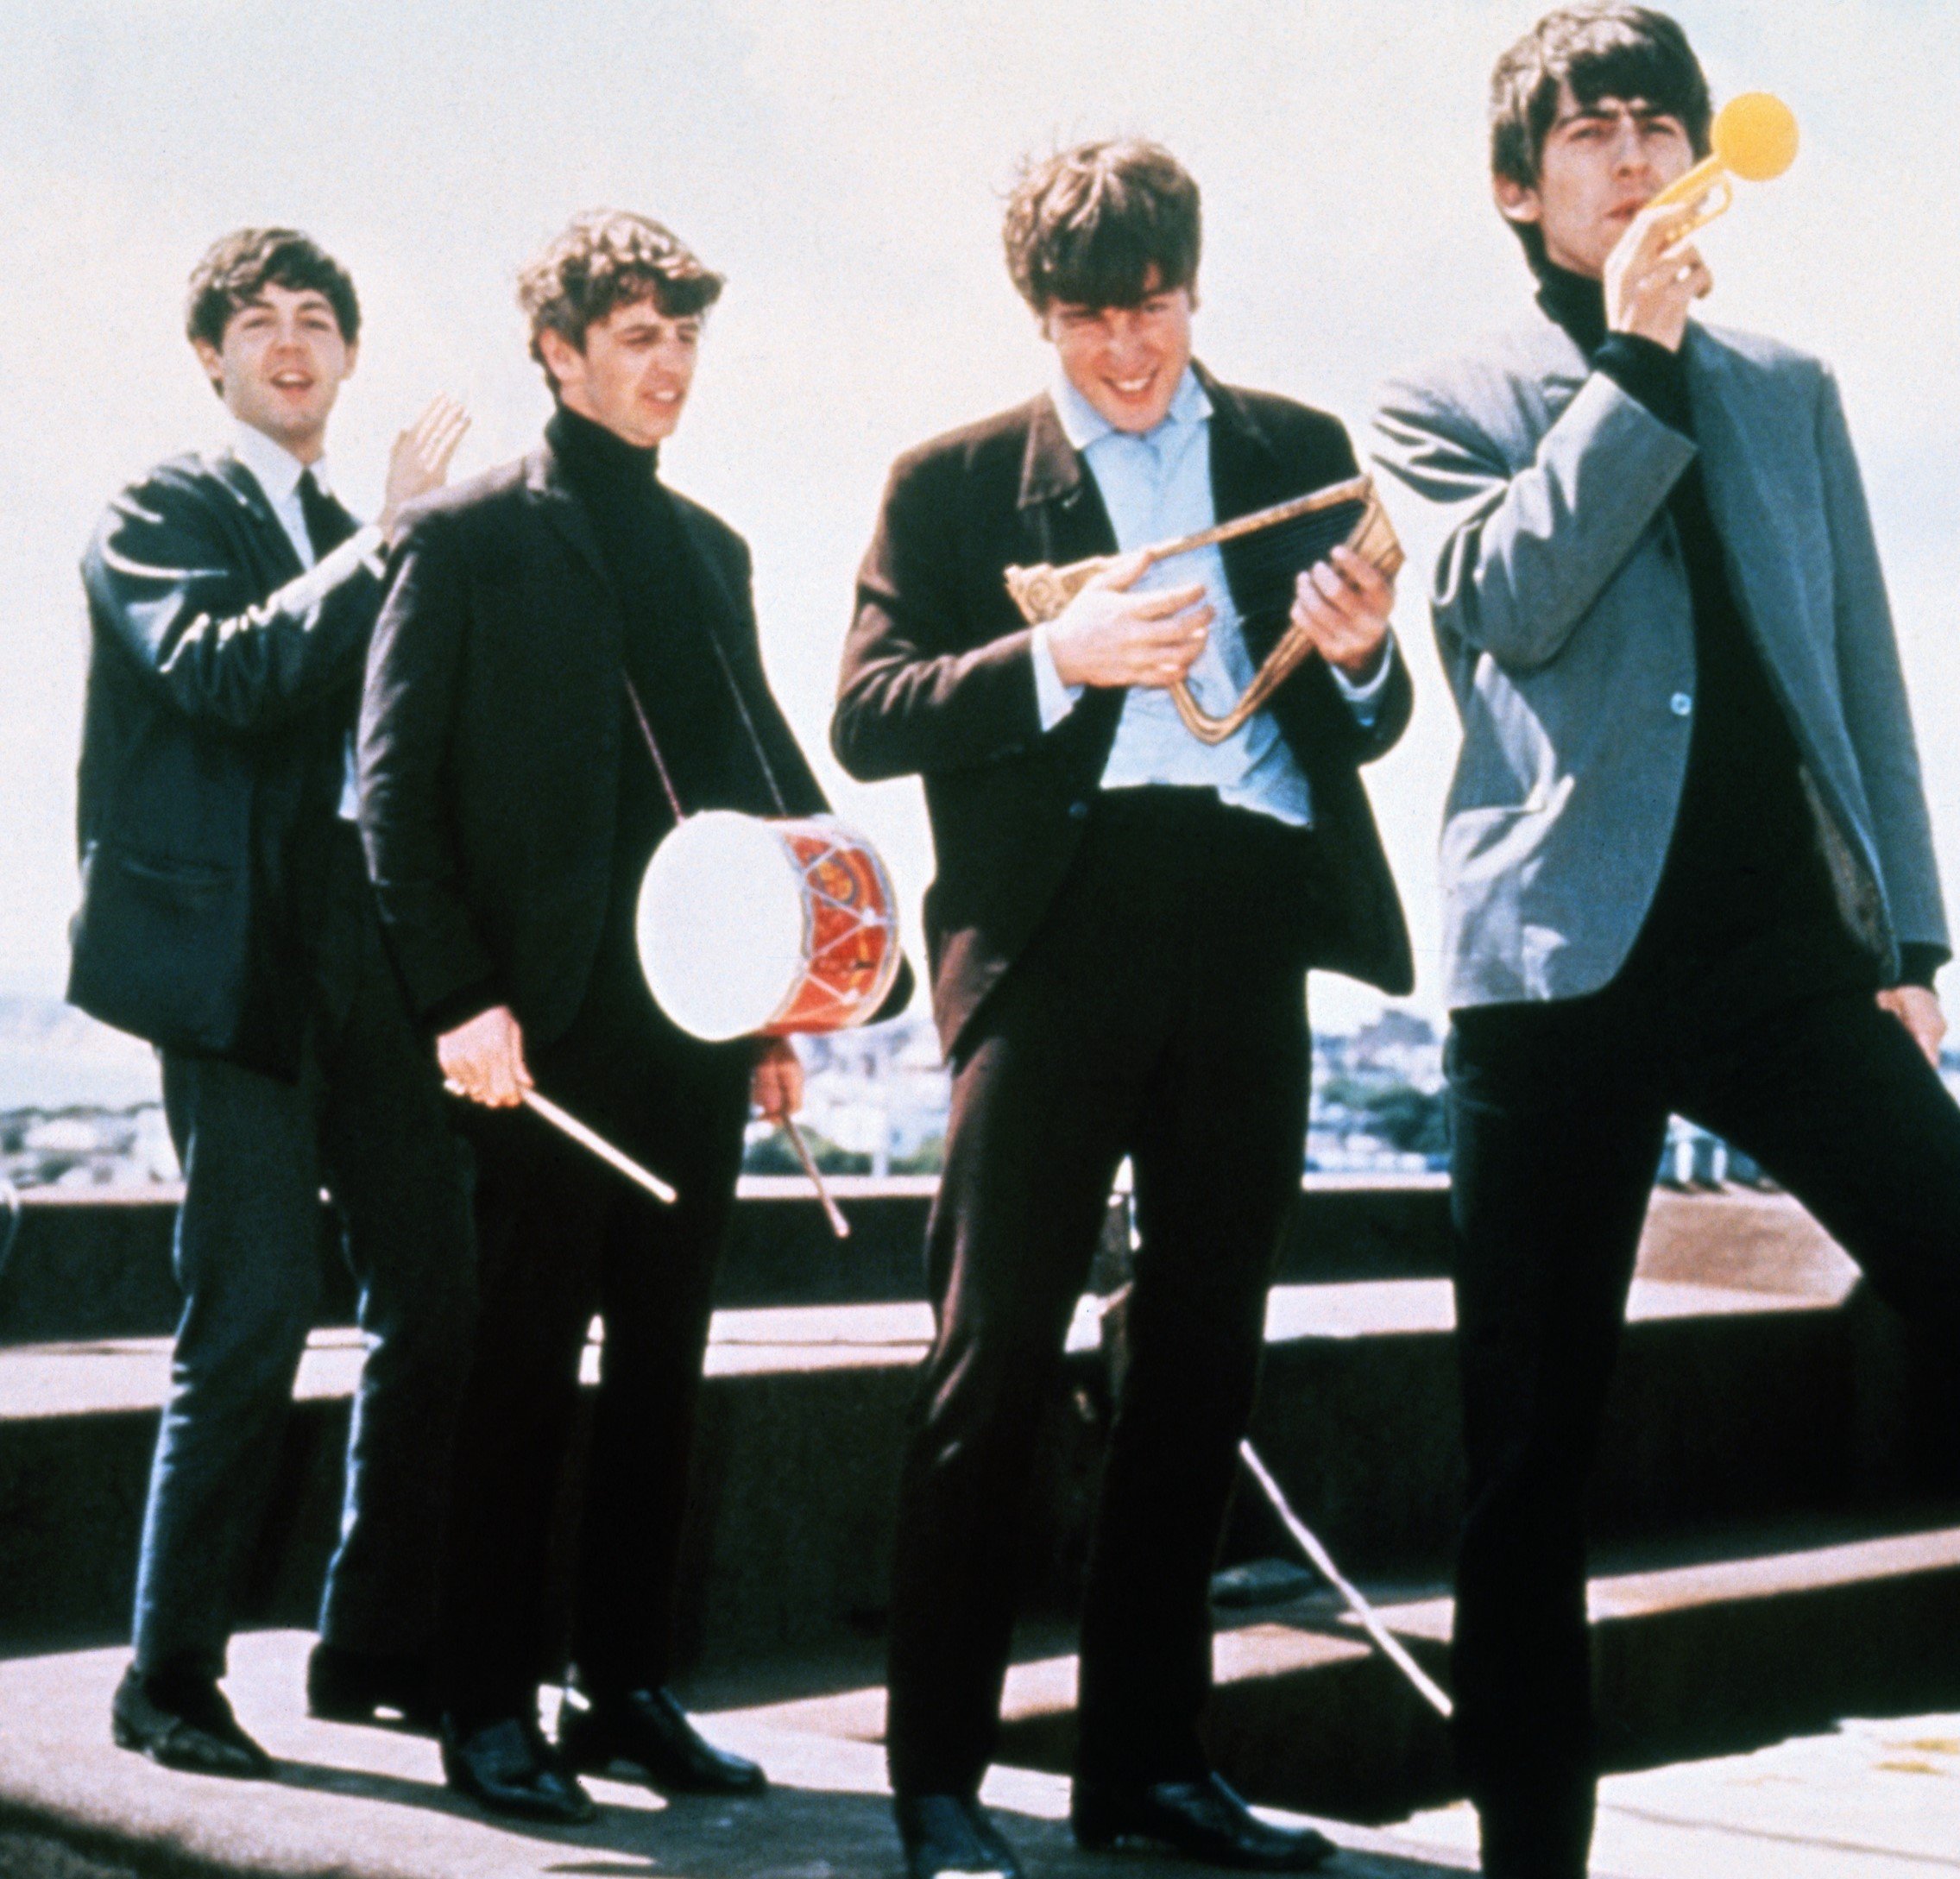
(99, 1267)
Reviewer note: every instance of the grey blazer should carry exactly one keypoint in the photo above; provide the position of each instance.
(1561, 608)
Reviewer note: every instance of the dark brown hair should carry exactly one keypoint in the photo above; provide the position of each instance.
(1608, 50)
(606, 259)
(1103, 224)
(236, 269)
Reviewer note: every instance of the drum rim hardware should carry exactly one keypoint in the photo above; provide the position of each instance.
(838, 837)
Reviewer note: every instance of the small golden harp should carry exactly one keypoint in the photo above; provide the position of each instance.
(1293, 536)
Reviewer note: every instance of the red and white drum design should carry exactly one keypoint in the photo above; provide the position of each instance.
(749, 925)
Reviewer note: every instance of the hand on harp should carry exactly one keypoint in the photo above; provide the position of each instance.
(1110, 635)
(1337, 607)
(1342, 606)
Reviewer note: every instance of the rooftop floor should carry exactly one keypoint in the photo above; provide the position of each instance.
(1871, 1799)
(369, 1803)
(95, 1375)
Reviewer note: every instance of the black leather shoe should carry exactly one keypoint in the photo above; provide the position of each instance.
(1204, 1820)
(649, 1729)
(951, 1834)
(356, 1686)
(184, 1723)
(508, 1767)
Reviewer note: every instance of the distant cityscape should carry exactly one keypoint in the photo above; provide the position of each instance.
(80, 1107)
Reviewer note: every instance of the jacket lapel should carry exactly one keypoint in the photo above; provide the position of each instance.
(1550, 371)
(267, 530)
(566, 515)
(1739, 454)
(1062, 520)
(1060, 507)
(1246, 474)
(722, 617)
(722, 607)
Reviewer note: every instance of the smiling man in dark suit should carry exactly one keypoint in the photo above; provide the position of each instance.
(226, 916)
(568, 662)
(1120, 927)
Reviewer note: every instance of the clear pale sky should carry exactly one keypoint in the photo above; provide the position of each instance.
(843, 163)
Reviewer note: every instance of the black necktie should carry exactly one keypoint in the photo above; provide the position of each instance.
(328, 524)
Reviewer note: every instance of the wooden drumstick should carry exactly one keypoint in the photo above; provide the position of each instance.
(1303, 1536)
(839, 1225)
(600, 1146)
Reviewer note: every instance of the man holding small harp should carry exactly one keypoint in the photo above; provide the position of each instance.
(1123, 915)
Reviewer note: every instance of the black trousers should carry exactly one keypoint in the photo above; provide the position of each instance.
(560, 1237)
(366, 1116)
(1159, 1012)
(1558, 1112)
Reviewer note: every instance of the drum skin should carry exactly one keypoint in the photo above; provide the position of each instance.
(752, 926)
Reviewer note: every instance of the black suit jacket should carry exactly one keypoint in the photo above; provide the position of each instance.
(938, 680)
(490, 740)
(222, 683)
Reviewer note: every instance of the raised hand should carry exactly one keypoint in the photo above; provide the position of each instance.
(419, 461)
(1108, 635)
(1343, 605)
(1650, 281)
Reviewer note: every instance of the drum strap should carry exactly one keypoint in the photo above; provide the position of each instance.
(653, 747)
(749, 725)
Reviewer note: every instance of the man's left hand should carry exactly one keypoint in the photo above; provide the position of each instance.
(419, 461)
(775, 1086)
(1918, 1011)
(1343, 605)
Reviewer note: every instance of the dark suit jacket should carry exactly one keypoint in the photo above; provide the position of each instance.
(490, 740)
(222, 683)
(938, 680)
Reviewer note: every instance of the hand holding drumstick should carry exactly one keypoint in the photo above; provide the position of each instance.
(776, 1088)
(483, 1061)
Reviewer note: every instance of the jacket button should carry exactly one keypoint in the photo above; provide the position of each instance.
(1680, 705)
(1079, 810)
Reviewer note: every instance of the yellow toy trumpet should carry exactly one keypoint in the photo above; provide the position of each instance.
(1755, 137)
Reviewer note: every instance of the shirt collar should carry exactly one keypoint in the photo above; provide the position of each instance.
(1083, 424)
(276, 470)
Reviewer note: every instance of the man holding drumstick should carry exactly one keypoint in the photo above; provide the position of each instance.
(567, 663)
(1686, 860)
(1119, 929)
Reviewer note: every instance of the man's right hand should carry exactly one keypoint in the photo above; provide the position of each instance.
(1651, 282)
(1109, 636)
(483, 1060)
(419, 461)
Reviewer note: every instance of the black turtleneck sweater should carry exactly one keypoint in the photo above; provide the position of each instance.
(669, 654)
(1745, 894)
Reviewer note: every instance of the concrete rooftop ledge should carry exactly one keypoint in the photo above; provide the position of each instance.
(99, 1376)
(93, 1263)
(369, 1804)
(784, 1188)
(1886, 1557)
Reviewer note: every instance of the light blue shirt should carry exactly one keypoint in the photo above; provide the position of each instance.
(1156, 486)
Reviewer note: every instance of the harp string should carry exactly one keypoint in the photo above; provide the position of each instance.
(1265, 564)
